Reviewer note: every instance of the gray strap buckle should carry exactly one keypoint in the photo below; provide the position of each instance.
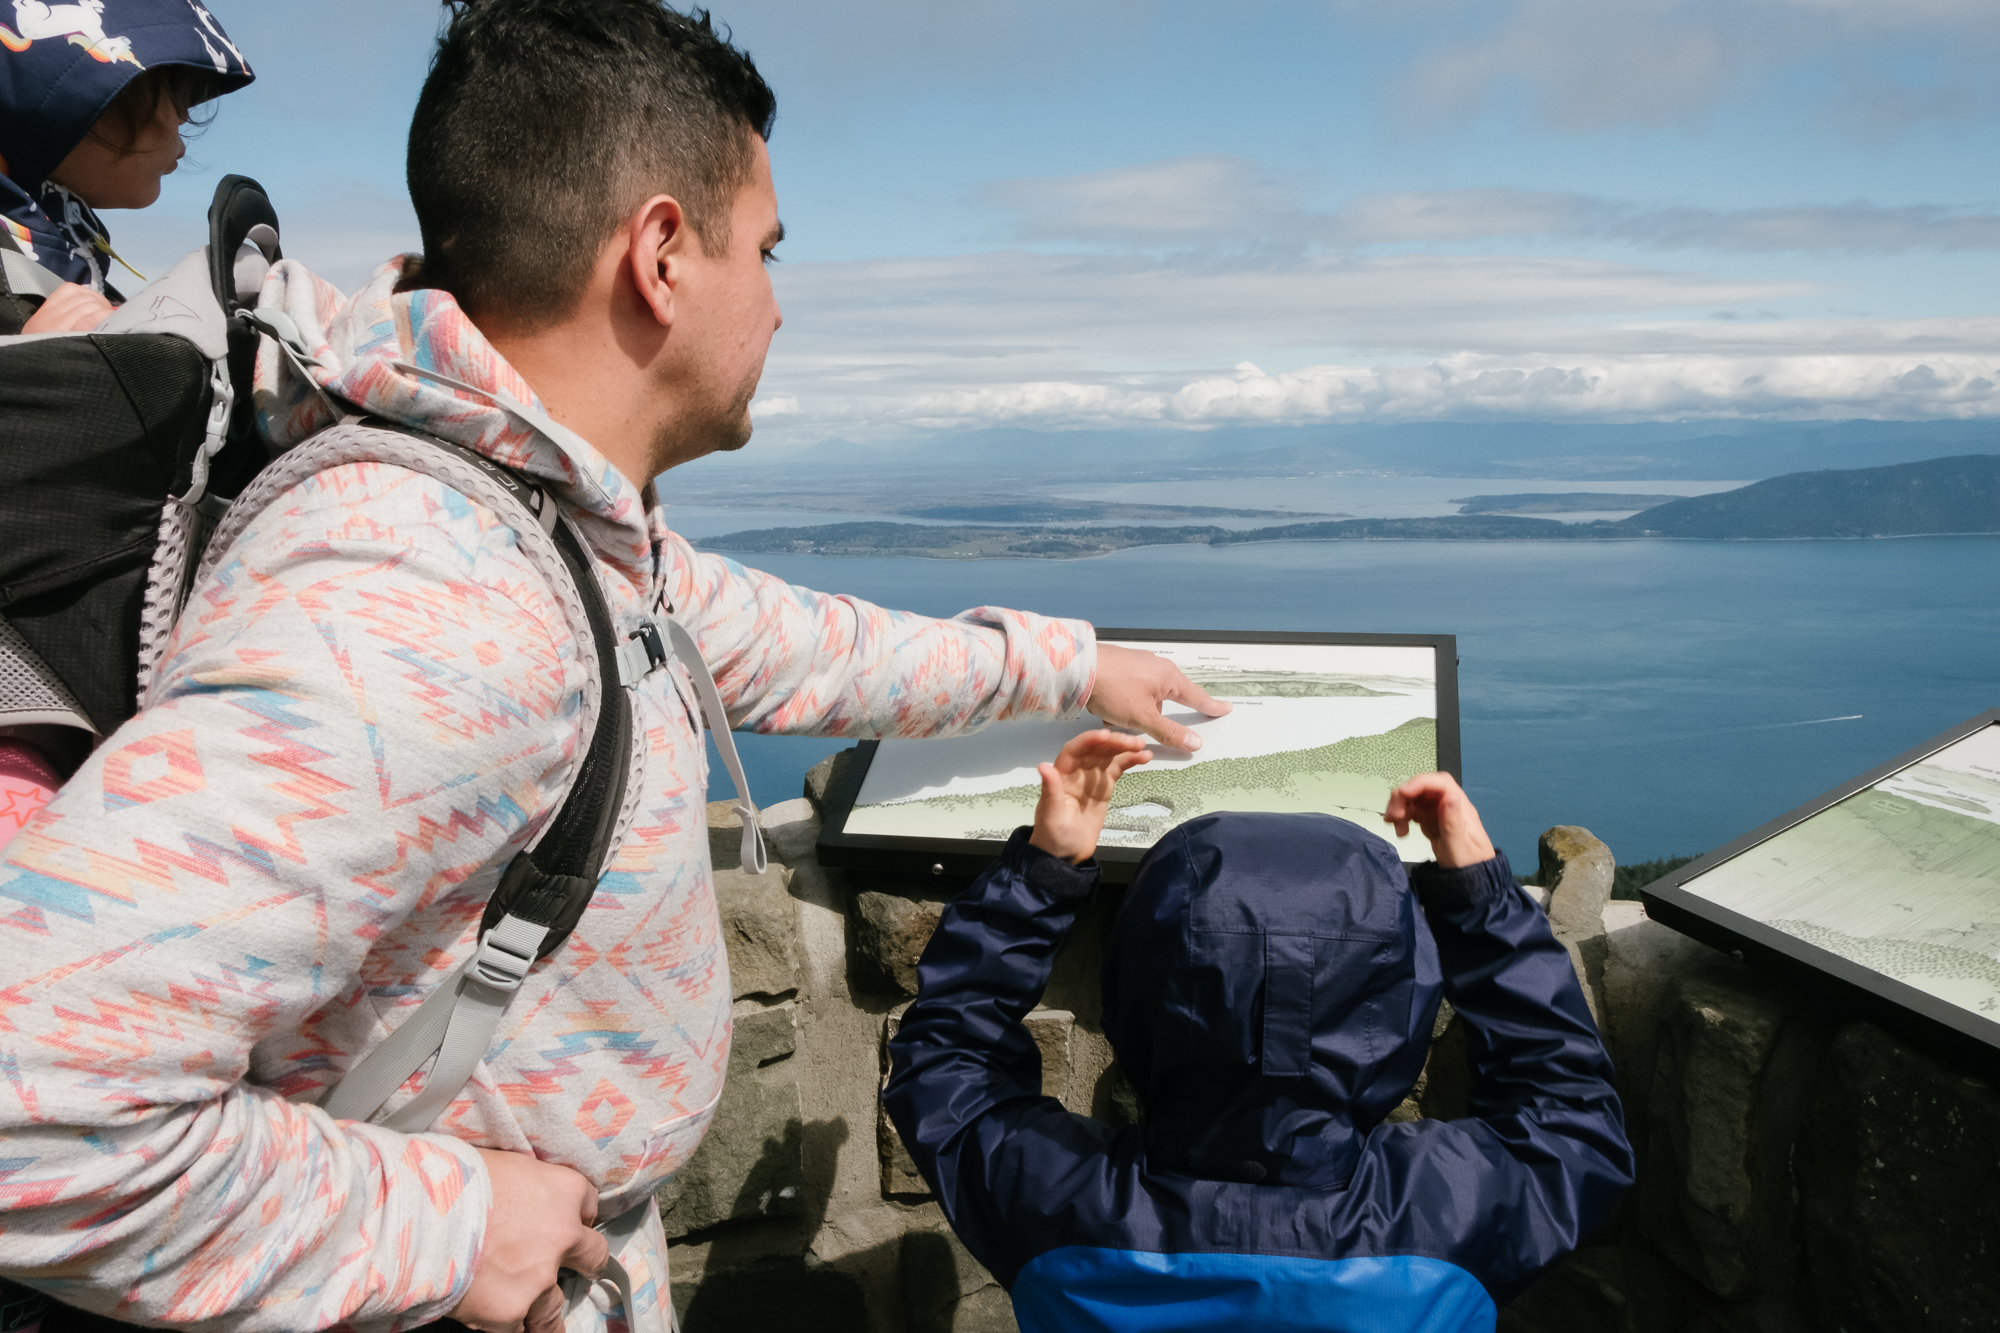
(643, 652)
(27, 278)
(498, 966)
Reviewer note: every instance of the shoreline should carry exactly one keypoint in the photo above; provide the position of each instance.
(703, 544)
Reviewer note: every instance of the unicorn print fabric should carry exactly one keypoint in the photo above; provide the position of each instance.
(60, 66)
(370, 706)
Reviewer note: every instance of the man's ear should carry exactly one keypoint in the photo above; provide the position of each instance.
(658, 243)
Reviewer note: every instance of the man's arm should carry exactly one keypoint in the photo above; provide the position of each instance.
(364, 710)
(791, 660)
(1545, 1143)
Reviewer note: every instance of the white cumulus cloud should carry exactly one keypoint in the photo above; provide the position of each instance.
(1223, 201)
(876, 348)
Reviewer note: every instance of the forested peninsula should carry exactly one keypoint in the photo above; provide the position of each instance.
(1939, 496)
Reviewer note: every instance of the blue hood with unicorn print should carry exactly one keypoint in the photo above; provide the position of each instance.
(60, 67)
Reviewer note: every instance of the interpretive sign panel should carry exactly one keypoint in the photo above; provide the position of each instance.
(1319, 722)
(1888, 886)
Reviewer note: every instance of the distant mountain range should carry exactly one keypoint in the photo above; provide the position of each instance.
(1941, 495)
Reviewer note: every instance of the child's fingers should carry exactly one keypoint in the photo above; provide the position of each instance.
(1094, 749)
(1117, 743)
(1121, 764)
(1403, 807)
(1437, 787)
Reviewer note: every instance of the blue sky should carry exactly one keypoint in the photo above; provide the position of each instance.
(1128, 213)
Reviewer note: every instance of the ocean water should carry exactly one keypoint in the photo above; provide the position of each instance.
(1666, 695)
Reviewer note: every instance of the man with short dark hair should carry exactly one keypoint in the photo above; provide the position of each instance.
(376, 700)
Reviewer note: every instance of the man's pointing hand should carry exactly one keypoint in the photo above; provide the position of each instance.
(1133, 685)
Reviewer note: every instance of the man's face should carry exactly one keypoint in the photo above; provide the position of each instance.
(734, 313)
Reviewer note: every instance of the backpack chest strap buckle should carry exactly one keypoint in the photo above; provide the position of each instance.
(643, 652)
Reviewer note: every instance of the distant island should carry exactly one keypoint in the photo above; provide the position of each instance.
(1065, 511)
(1558, 502)
(1943, 495)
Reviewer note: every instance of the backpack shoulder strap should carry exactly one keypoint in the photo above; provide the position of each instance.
(24, 285)
(545, 888)
(24, 276)
(645, 650)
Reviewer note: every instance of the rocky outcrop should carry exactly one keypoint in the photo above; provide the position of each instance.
(1798, 1171)
(1899, 1192)
(890, 932)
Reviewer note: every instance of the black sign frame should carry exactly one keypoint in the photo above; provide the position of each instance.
(962, 858)
(1938, 1025)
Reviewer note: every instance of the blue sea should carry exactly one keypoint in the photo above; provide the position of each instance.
(1666, 695)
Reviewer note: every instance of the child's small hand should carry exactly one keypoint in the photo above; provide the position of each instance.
(72, 309)
(1437, 805)
(1076, 791)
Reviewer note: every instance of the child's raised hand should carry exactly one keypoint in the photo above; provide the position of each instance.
(1435, 803)
(1076, 791)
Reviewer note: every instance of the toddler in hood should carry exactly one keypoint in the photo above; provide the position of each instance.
(92, 99)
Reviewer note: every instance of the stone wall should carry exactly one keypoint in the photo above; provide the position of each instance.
(1798, 1172)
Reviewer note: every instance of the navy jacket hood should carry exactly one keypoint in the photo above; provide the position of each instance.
(1268, 983)
(1270, 986)
(61, 64)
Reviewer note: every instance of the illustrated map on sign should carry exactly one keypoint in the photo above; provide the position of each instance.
(1902, 877)
(1315, 727)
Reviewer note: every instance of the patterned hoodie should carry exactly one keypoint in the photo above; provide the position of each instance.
(370, 705)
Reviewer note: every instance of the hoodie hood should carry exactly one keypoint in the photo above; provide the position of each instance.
(60, 66)
(1270, 985)
(367, 350)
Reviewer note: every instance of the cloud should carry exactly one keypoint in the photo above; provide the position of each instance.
(1583, 66)
(1178, 201)
(1227, 201)
(1587, 65)
(1065, 310)
(1462, 215)
(1627, 388)
(1854, 228)
(1470, 387)
(871, 349)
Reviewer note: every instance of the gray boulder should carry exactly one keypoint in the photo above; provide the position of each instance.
(1736, 1056)
(752, 1162)
(1899, 1190)
(890, 932)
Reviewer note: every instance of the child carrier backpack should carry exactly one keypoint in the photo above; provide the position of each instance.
(118, 449)
(129, 461)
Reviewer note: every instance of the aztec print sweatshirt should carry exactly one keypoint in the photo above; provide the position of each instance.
(368, 708)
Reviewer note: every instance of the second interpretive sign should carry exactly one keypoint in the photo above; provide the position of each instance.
(1887, 887)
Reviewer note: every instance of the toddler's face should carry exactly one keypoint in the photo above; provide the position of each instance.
(105, 177)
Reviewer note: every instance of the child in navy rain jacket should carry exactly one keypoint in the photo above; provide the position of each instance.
(1270, 984)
